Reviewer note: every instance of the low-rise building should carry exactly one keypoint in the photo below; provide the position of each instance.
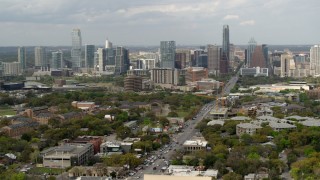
(43, 118)
(247, 128)
(131, 124)
(195, 144)
(218, 113)
(84, 105)
(16, 130)
(67, 155)
(96, 141)
(281, 126)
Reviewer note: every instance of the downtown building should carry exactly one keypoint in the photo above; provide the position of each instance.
(40, 55)
(167, 54)
(89, 55)
(167, 76)
(57, 60)
(225, 51)
(22, 58)
(112, 60)
(76, 59)
(11, 68)
(315, 59)
(213, 54)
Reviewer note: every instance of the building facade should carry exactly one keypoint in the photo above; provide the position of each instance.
(133, 83)
(22, 57)
(167, 54)
(11, 68)
(40, 55)
(315, 59)
(57, 60)
(76, 49)
(213, 59)
(166, 76)
(251, 46)
(226, 42)
(89, 51)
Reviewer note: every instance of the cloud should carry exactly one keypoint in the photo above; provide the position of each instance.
(176, 9)
(229, 17)
(248, 22)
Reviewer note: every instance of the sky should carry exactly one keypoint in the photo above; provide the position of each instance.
(147, 22)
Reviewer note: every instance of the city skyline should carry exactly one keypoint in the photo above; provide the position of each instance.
(45, 22)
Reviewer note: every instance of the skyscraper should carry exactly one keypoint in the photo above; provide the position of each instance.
(258, 58)
(22, 57)
(167, 54)
(226, 42)
(213, 59)
(89, 55)
(315, 59)
(76, 49)
(121, 60)
(40, 56)
(57, 60)
(108, 44)
(251, 46)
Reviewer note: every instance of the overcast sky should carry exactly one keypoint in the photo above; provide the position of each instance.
(147, 22)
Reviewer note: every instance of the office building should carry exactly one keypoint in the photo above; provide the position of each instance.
(196, 56)
(102, 60)
(196, 74)
(180, 60)
(11, 68)
(89, 51)
(213, 59)
(286, 60)
(22, 57)
(258, 58)
(166, 76)
(76, 49)
(108, 44)
(224, 64)
(251, 46)
(167, 54)
(121, 60)
(40, 55)
(57, 60)
(203, 61)
(226, 42)
(67, 155)
(195, 144)
(184, 56)
(315, 59)
(133, 83)
(255, 71)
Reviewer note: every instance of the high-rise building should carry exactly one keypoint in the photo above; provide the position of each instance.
(213, 59)
(226, 42)
(40, 55)
(89, 51)
(265, 50)
(251, 46)
(315, 59)
(184, 56)
(196, 56)
(22, 57)
(11, 68)
(167, 54)
(57, 60)
(108, 44)
(258, 58)
(166, 75)
(286, 60)
(102, 60)
(76, 49)
(121, 60)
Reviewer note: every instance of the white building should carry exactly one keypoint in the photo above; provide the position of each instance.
(247, 128)
(315, 59)
(195, 144)
(11, 69)
(255, 71)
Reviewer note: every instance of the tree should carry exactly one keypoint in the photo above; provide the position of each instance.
(123, 132)
(173, 114)
(232, 176)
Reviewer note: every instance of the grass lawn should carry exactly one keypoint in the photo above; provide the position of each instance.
(182, 113)
(4, 112)
(42, 170)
